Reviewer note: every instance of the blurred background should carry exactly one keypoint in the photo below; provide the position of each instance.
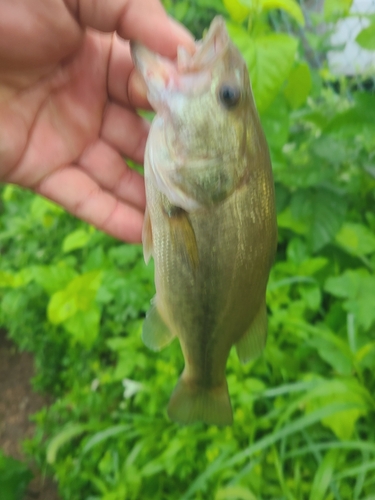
(304, 412)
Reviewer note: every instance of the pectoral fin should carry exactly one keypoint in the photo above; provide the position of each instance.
(155, 333)
(252, 343)
(147, 237)
(182, 234)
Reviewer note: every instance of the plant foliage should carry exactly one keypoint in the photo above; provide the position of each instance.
(14, 478)
(304, 411)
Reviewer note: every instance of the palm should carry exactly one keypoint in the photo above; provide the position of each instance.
(68, 108)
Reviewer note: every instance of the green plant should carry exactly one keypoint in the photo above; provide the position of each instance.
(304, 410)
(14, 478)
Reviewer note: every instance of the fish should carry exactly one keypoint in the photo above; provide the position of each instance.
(210, 220)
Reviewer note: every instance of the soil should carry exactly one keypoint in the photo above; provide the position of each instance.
(17, 403)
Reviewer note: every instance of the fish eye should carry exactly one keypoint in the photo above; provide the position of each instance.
(229, 96)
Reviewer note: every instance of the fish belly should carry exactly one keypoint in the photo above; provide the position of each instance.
(210, 305)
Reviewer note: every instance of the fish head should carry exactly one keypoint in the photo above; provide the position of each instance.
(206, 137)
(204, 99)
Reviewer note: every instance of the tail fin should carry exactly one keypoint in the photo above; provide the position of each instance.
(190, 404)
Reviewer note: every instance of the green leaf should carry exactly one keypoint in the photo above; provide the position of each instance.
(357, 120)
(61, 306)
(333, 350)
(77, 239)
(322, 211)
(297, 251)
(297, 425)
(8, 192)
(107, 433)
(311, 296)
(336, 8)
(7, 280)
(269, 58)
(288, 221)
(365, 356)
(242, 39)
(84, 326)
(342, 391)
(275, 122)
(22, 278)
(358, 287)
(323, 475)
(180, 10)
(234, 493)
(356, 239)
(356, 471)
(311, 266)
(237, 10)
(366, 38)
(118, 343)
(289, 6)
(62, 438)
(281, 192)
(78, 295)
(215, 466)
(53, 278)
(41, 206)
(270, 65)
(298, 86)
(14, 478)
(331, 149)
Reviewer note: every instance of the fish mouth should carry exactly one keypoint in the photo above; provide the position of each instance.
(189, 73)
(208, 50)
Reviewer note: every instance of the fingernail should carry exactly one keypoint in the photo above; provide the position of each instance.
(139, 83)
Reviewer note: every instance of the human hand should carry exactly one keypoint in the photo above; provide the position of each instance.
(68, 100)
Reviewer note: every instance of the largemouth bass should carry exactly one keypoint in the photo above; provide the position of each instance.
(210, 222)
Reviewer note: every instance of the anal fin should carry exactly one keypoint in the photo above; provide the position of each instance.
(252, 343)
(155, 333)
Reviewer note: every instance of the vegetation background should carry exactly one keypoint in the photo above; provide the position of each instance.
(305, 410)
